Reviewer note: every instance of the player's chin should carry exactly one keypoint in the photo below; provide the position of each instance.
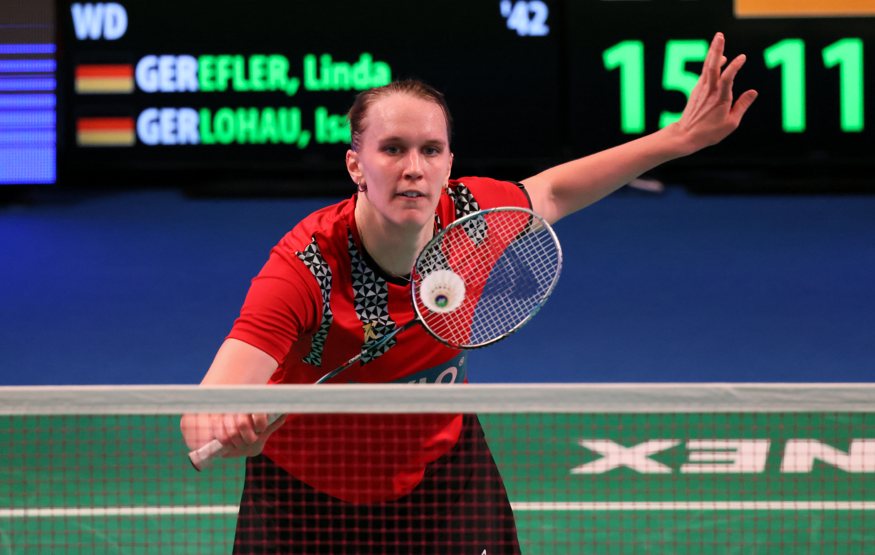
(417, 213)
(413, 222)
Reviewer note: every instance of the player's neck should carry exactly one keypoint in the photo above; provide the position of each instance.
(394, 249)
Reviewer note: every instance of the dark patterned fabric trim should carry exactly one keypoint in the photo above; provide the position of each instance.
(313, 260)
(465, 204)
(371, 299)
(463, 200)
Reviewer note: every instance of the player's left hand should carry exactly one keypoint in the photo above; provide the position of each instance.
(710, 114)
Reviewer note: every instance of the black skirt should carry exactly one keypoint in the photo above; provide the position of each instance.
(461, 506)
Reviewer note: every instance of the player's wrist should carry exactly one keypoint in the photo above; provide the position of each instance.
(676, 141)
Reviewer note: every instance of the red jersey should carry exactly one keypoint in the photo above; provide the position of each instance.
(314, 305)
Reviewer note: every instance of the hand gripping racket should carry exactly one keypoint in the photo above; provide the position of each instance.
(476, 282)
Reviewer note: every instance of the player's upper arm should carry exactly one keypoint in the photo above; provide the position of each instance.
(237, 362)
(541, 197)
(284, 302)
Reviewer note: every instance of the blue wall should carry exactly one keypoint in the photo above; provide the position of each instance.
(141, 287)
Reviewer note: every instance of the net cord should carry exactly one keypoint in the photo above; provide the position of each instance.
(458, 398)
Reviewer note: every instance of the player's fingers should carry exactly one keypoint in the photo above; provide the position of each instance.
(229, 435)
(197, 429)
(743, 103)
(276, 425)
(246, 429)
(232, 430)
(260, 422)
(710, 76)
(727, 79)
(728, 76)
(711, 69)
(256, 447)
(220, 429)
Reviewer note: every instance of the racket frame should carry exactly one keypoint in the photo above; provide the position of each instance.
(462, 221)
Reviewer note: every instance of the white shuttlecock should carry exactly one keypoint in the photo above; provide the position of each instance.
(442, 291)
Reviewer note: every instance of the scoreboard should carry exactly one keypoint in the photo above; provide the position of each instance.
(812, 62)
(248, 90)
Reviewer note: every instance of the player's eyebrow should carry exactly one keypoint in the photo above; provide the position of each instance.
(398, 139)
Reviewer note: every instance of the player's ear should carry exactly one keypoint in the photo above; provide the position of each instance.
(352, 166)
(449, 169)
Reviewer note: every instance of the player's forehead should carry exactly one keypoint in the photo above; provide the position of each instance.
(407, 117)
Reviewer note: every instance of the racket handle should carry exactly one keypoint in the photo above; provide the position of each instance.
(203, 456)
(368, 347)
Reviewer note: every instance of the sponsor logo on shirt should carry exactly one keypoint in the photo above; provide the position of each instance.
(453, 371)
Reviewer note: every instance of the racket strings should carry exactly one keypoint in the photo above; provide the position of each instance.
(518, 284)
(509, 267)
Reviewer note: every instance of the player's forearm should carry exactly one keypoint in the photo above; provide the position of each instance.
(568, 187)
(237, 362)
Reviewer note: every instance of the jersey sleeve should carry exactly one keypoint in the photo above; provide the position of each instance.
(492, 193)
(280, 307)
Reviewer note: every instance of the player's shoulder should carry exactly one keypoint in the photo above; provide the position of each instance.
(325, 227)
(472, 193)
(461, 181)
(476, 184)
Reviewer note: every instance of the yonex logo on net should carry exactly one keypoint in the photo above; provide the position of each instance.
(727, 456)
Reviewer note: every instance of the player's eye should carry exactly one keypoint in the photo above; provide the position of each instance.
(392, 149)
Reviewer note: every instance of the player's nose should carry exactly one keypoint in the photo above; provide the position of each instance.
(413, 165)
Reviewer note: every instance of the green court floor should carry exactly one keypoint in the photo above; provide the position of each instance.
(595, 484)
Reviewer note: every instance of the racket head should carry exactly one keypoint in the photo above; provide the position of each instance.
(509, 259)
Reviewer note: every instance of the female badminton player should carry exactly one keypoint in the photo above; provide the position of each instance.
(339, 279)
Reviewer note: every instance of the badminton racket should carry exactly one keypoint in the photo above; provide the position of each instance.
(476, 282)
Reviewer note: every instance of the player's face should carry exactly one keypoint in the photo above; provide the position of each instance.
(404, 159)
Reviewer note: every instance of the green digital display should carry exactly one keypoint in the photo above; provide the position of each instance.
(786, 56)
(633, 66)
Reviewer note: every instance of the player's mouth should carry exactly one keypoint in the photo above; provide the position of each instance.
(411, 194)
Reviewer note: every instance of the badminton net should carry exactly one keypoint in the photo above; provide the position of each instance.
(604, 469)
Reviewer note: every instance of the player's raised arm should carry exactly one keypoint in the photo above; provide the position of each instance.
(709, 116)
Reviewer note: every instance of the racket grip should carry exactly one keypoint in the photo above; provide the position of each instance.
(203, 456)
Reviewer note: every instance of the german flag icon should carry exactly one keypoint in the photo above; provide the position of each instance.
(104, 79)
(105, 132)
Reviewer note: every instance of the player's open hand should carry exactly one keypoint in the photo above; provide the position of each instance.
(710, 114)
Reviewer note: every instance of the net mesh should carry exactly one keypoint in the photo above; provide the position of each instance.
(585, 469)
